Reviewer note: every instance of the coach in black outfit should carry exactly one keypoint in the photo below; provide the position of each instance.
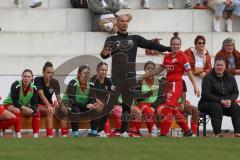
(122, 47)
(219, 95)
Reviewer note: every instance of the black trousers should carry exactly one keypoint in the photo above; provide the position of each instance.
(81, 113)
(123, 87)
(99, 123)
(216, 111)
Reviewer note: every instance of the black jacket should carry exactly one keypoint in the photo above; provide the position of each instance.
(216, 88)
(124, 50)
(102, 90)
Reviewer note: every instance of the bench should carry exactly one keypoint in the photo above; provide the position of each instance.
(27, 123)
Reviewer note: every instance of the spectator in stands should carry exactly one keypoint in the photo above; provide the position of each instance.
(146, 4)
(219, 95)
(231, 56)
(80, 97)
(34, 3)
(22, 99)
(104, 14)
(224, 8)
(187, 5)
(199, 57)
(47, 86)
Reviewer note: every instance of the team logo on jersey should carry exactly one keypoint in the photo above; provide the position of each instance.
(51, 91)
(106, 88)
(174, 60)
(187, 66)
(169, 68)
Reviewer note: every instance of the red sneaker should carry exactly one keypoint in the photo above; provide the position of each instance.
(200, 6)
(133, 132)
(115, 133)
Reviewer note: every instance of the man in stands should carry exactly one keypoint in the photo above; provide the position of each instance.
(104, 14)
(230, 55)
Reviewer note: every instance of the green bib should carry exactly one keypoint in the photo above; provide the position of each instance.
(154, 88)
(81, 97)
(23, 100)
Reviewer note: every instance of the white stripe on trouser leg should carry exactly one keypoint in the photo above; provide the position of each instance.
(174, 87)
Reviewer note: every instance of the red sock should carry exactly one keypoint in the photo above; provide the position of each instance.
(107, 128)
(17, 125)
(136, 125)
(49, 131)
(4, 124)
(64, 131)
(36, 123)
(165, 120)
(117, 122)
(148, 113)
(117, 112)
(180, 120)
(194, 127)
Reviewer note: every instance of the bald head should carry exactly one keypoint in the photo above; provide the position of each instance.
(122, 22)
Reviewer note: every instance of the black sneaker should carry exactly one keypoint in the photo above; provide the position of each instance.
(237, 135)
(188, 134)
(92, 135)
(205, 3)
(38, 4)
(162, 135)
(188, 6)
(219, 135)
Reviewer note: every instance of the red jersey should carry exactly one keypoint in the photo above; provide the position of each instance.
(176, 66)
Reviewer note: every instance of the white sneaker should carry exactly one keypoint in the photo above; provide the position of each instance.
(102, 134)
(36, 4)
(35, 135)
(18, 135)
(146, 4)
(229, 25)
(194, 135)
(50, 136)
(124, 135)
(124, 5)
(170, 5)
(108, 27)
(216, 25)
(65, 136)
(1, 133)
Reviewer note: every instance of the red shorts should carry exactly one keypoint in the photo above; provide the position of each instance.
(143, 105)
(1, 109)
(6, 106)
(43, 105)
(172, 92)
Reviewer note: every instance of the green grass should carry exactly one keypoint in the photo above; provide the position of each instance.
(120, 148)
